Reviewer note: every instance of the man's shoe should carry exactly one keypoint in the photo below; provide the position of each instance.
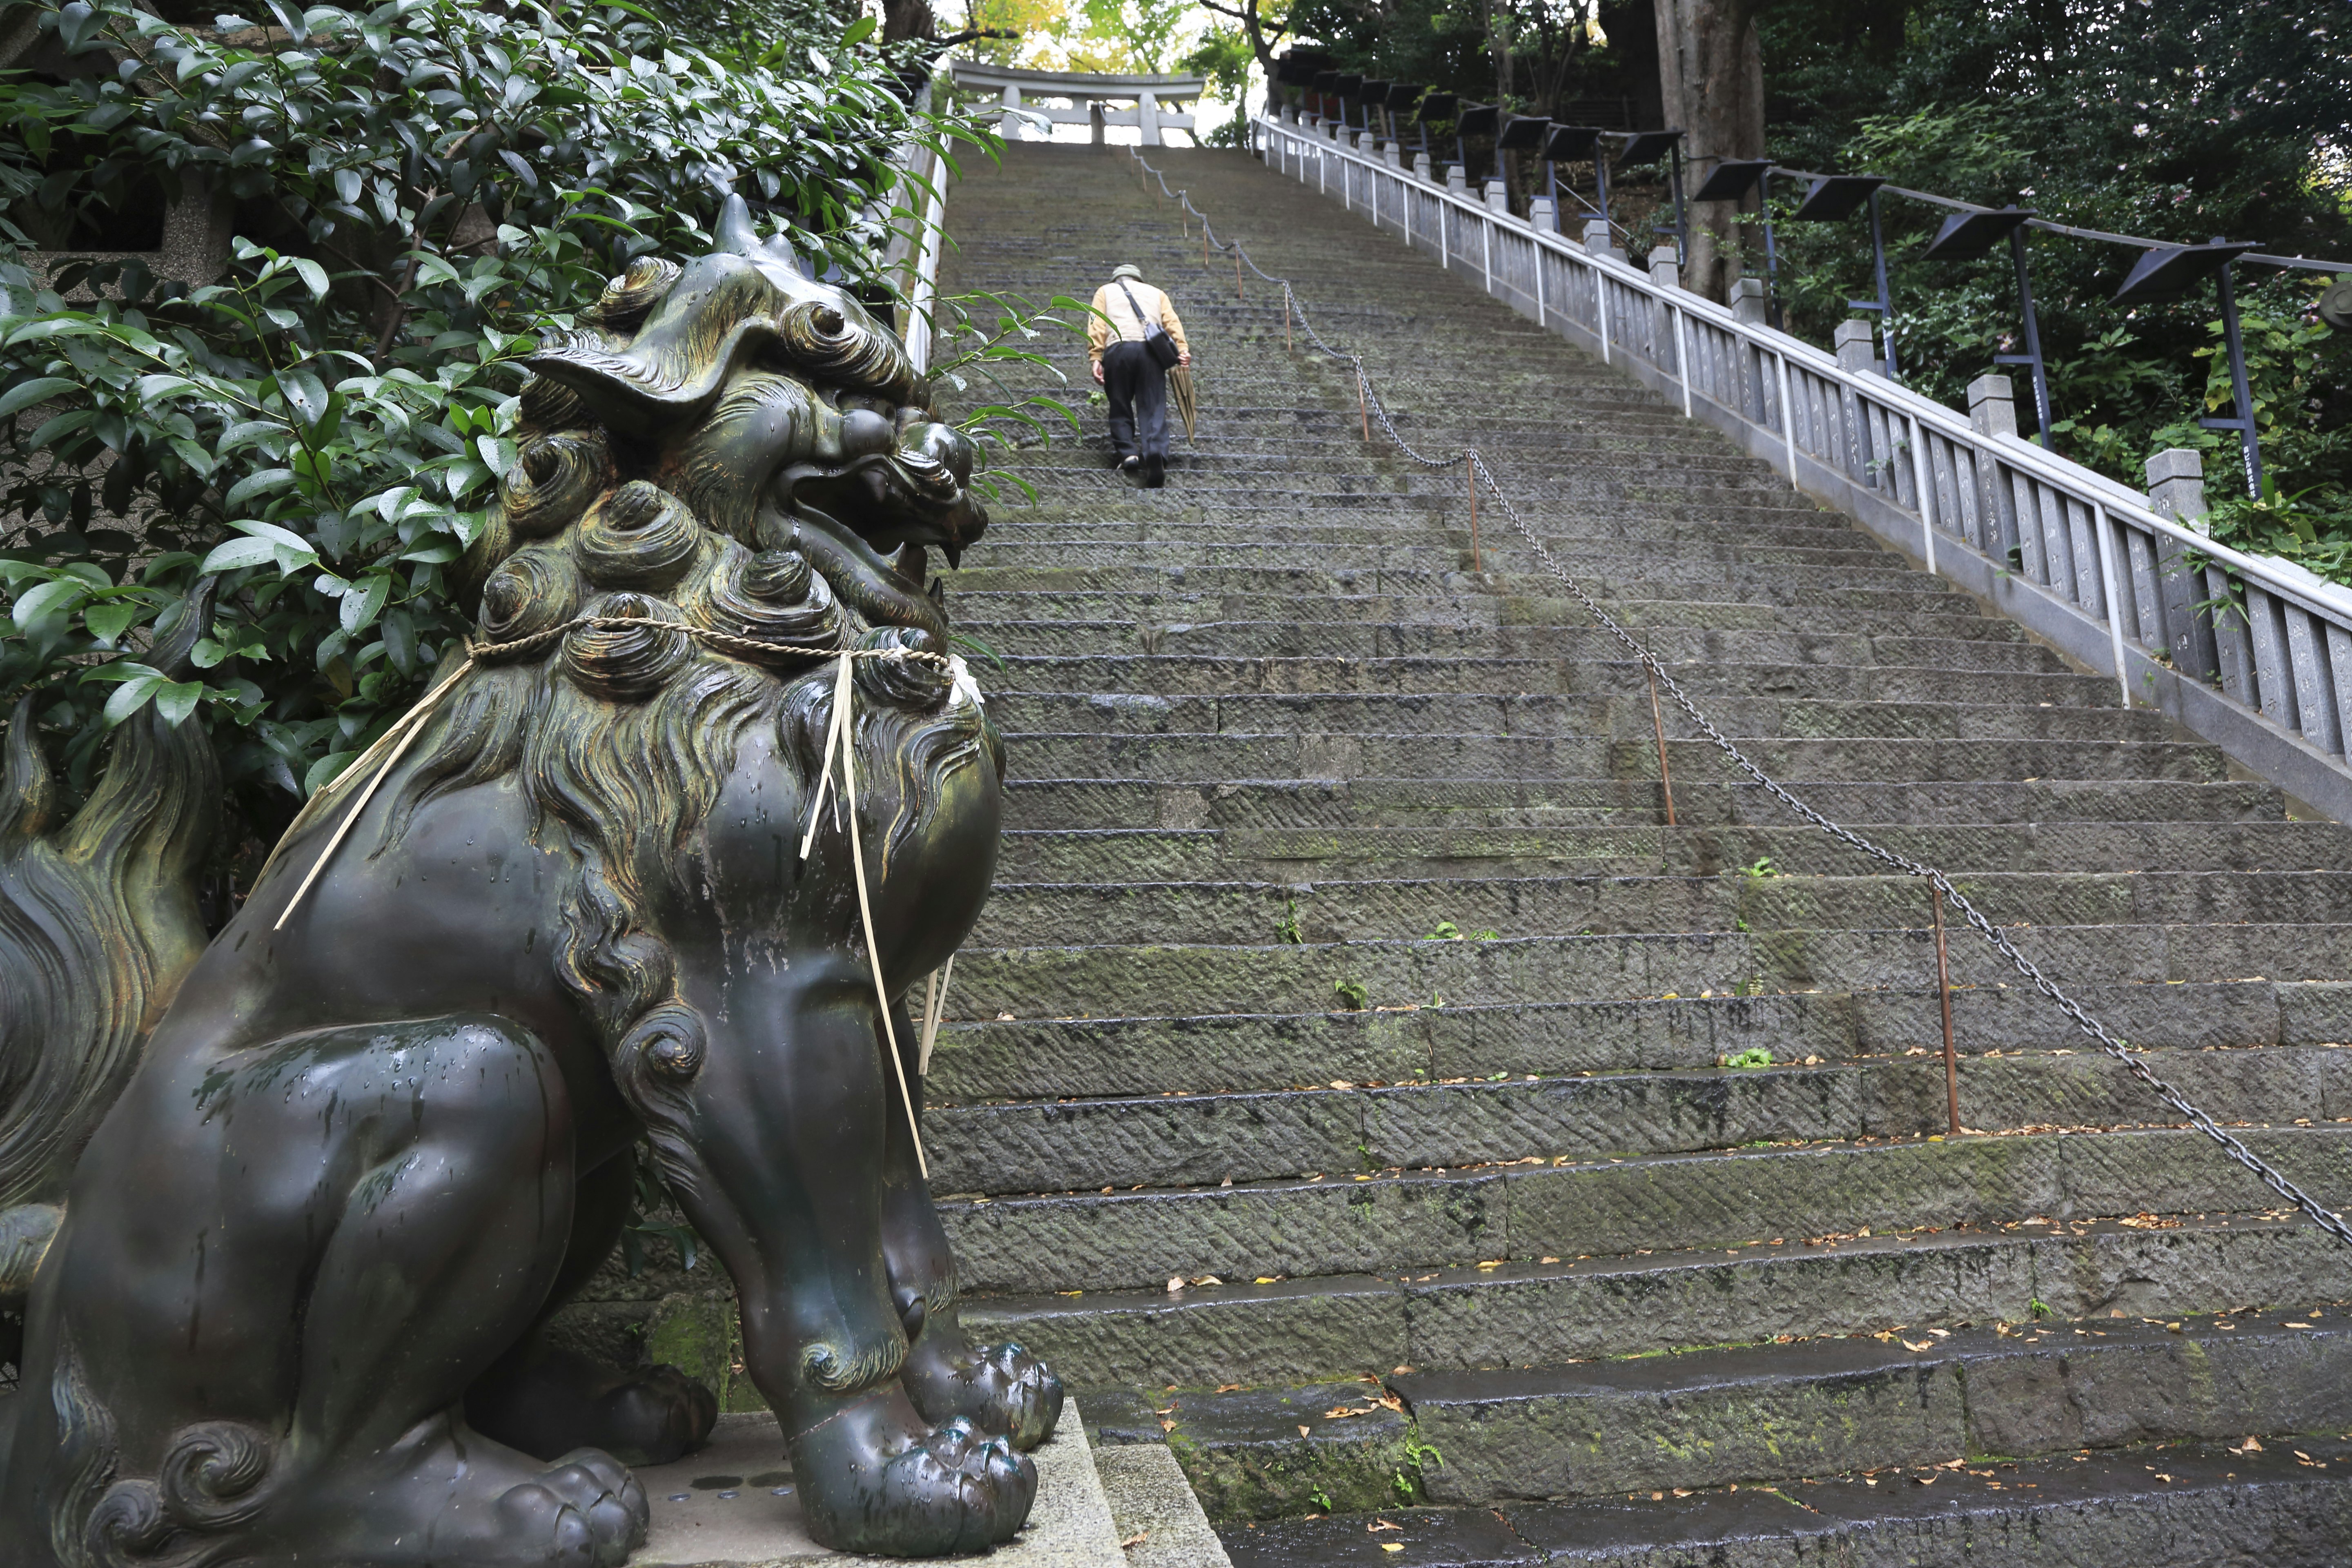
(1129, 465)
(1155, 471)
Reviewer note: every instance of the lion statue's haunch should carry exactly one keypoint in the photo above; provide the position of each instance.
(282, 1218)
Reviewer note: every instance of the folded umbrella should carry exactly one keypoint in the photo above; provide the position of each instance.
(1180, 388)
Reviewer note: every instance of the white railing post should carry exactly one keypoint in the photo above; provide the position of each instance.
(1788, 417)
(1923, 485)
(2115, 607)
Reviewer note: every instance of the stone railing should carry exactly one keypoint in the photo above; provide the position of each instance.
(2250, 652)
(913, 215)
(1088, 96)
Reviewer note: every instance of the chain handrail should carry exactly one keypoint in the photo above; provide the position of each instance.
(2134, 1061)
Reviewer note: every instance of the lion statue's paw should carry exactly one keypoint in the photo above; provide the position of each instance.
(949, 1491)
(587, 1511)
(1000, 1388)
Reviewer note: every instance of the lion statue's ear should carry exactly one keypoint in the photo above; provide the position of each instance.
(737, 236)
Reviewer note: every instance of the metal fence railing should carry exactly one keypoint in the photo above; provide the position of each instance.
(2253, 653)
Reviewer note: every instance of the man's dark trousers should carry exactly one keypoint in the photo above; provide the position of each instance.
(1138, 390)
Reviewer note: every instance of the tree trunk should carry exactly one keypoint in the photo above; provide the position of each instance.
(1711, 79)
(904, 19)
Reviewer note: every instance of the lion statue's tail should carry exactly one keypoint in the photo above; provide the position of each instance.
(98, 924)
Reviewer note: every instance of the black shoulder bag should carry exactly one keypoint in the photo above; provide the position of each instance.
(1156, 340)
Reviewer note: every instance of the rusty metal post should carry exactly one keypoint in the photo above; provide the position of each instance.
(1470, 469)
(1238, 274)
(1944, 992)
(1658, 727)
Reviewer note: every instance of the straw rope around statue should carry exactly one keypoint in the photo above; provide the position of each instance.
(379, 760)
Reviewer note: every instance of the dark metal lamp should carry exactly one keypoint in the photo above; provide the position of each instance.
(1835, 196)
(1965, 237)
(2168, 271)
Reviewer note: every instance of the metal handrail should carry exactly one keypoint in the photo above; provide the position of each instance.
(2137, 592)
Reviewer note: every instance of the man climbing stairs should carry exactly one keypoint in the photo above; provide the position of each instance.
(1356, 1084)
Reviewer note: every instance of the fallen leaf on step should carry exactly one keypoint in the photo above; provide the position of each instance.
(1175, 1283)
(1227, 1387)
(1921, 1345)
(1380, 1524)
(1682, 1491)
(1302, 1431)
(1137, 1539)
(1393, 1546)
(1925, 1480)
(1166, 1425)
(2253, 1444)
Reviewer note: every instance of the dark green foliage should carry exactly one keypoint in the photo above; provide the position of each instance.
(414, 189)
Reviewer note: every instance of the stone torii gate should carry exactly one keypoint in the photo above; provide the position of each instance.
(1088, 94)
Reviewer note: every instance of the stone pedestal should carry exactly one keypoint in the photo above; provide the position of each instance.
(734, 1505)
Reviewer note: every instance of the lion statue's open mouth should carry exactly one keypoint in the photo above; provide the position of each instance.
(781, 412)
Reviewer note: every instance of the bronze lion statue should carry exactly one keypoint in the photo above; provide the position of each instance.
(283, 1216)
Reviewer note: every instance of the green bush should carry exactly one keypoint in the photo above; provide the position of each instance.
(416, 188)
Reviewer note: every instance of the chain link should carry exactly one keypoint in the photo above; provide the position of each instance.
(2134, 1061)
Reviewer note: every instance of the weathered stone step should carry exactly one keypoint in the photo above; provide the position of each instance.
(1201, 1139)
(1238, 640)
(1609, 575)
(1025, 913)
(1814, 700)
(1632, 799)
(1181, 673)
(2154, 1505)
(2220, 843)
(1210, 977)
(1711, 1418)
(1184, 755)
(1046, 1058)
(1520, 1314)
(1727, 605)
(1579, 556)
(1410, 1224)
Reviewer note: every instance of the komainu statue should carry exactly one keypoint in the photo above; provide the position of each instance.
(284, 1215)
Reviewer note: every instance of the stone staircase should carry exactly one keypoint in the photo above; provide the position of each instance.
(1346, 1085)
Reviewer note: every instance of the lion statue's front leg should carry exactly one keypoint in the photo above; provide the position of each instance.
(290, 1305)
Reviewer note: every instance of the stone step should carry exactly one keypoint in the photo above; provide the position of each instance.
(1203, 1138)
(1815, 701)
(1409, 1223)
(1632, 799)
(1604, 576)
(1523, 1313)
(1723, 605)
(1050, 1059)
(1239, 641)
(1035, 913)
(2152, 1505)
(1174, 673)
(2220, 843)
(1711, 1418)
(1581, 557)
(1173, 978)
